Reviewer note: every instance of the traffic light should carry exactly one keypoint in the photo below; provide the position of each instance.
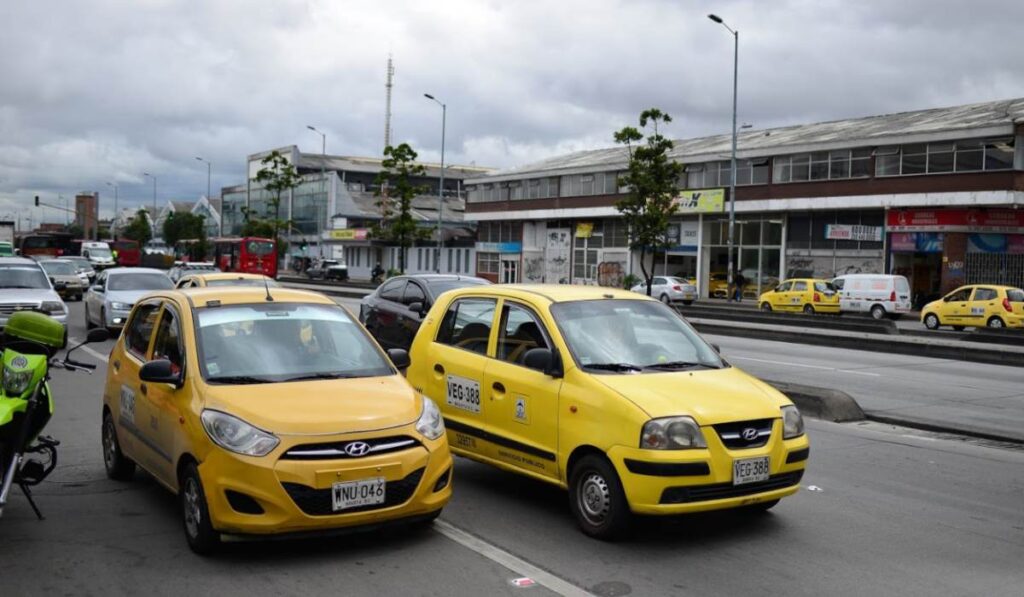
(37, 200)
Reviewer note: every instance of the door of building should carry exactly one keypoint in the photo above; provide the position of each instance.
(509, 271)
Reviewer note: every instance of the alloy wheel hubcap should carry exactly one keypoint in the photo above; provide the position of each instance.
(594, 498)
(191, 505)
(996, 323)
(110, 448)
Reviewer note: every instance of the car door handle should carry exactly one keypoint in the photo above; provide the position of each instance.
(439, 369)
(117, 365)
(143, 389)
(499, 390)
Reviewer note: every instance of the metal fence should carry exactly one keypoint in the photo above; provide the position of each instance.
(995, 268)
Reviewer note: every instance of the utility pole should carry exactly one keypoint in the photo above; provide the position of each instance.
(440, 194)
(113, 222)
(732, 177)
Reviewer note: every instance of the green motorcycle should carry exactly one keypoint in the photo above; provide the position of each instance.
(30, 344)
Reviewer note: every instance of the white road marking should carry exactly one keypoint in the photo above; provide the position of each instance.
(805, 366)
(95, 354)
(506, 559)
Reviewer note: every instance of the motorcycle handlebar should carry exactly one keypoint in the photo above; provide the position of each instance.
(69, 364)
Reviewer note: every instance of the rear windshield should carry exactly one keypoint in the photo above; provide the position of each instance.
(824, 287)
(902, 285)
(259, 248)
(143, 281)
(439, 286)
(59, 268)
(1016, 295)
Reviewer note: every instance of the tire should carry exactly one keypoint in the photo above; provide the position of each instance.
(996, 322)
(664, 298)
(597, 500)
(88, 322)
(766, 307)
(808, 309)
(199, 532)
(931, 321)
(878, 312)
(760, 507)
(119, 467)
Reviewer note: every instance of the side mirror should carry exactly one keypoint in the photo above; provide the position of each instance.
(543, 360)
(97, 335)
(96, 288)
(399, 358)
(417, 307)
(159, 371)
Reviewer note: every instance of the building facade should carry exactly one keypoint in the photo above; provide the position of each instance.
(933, 194)
(87, 213)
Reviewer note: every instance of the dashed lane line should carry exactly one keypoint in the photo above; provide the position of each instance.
(805, 366)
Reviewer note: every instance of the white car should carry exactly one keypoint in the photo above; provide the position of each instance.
(109, 301)
(669, 289)
(881, 295)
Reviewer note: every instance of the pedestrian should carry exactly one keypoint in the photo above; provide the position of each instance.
(739, 282)
(377, 274)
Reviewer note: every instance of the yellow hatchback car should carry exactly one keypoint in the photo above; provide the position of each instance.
(978, 305)
(216, 279)
(270, 413)
(801, 294)
(609, 395)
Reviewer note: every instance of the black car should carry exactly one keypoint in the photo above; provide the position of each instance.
(393, 312)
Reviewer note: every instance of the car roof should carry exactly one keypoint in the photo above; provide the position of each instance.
(218, 275)
(437, 277)
(242, 295)
(120, 271)
(553, 293)
(17, 261)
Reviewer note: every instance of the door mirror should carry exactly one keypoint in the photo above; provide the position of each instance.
(417, 307)
(97, 335)
(96, 288)
(543, 360)
(399, 358)
(160, 371)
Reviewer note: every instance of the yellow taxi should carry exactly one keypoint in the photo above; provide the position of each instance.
(977, 305)
(270, 413)
(609, 395)
(801, 294)
(718, 285)
(208, 279)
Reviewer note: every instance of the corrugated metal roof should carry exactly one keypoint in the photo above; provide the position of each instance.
(313, 161)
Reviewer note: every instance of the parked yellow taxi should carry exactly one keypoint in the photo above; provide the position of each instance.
(801, 294)
(977, 305)
(610, 395)
(204, 279)
(270, 413)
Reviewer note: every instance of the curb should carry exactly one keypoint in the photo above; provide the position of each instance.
(934, 427)
(821, 403)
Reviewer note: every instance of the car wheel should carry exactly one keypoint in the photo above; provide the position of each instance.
(597, 500)
(665, 299)
(878, 312)
(119, 467)
(808, 309)
(931, 321)
(199, 532)
(766, 307)
(88, 322)
(996, 322)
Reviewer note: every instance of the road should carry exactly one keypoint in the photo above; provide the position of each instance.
(881, 511)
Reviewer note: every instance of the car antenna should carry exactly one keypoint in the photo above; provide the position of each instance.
(266, 286)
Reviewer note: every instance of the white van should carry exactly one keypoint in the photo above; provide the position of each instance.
(881, 295)
(98, 254)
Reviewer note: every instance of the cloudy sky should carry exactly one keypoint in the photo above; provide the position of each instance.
(98, 91)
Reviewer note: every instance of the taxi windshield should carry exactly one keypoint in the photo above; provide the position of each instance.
(280, 342)
(628, 336)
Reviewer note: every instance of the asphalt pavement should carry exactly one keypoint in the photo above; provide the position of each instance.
(881, 511)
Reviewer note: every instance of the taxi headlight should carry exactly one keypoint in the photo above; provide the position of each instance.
(235, 435)
(52, 307)
(430, 424)
(116, 306)
(792, 422)
(16, 382)
(671, 433)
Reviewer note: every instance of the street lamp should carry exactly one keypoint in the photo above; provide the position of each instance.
(732, 170)
(113, 222)
(440, 194)
(209, 166)
(323, 174)
(154, 196)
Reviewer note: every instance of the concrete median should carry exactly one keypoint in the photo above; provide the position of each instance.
(821, 403)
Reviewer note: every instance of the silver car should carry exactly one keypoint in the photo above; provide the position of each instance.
(109, 301)
(83, 267)
(24, 286)
(669, 289)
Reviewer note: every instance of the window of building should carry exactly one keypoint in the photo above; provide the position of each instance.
(487, 263)
(970, 155)
(516, 190)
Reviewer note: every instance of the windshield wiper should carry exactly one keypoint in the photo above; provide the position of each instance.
(238, 379)
(671, 365)
(614, 366)
(320, 376)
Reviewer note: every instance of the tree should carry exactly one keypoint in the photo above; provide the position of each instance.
(181, 226)
(651, 179)
(138, 228)
(395, 192)
(277, 176)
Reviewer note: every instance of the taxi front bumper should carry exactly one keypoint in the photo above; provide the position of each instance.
(665, 482)
(277, 494)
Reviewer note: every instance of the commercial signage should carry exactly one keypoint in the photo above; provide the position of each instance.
(350, 234)
(916, 242)
(701, 201)
(682, 237)
(956, 220)
(853, 232)
(584, 229)
(512, 247)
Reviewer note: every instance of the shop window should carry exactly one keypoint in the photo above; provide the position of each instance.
(616, 233)
(750, 233)
(487, 263)
(915, 159)
(772, 235)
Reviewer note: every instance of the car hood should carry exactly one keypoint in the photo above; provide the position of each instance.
(27, 295)
(321, 406)
(68, 278)
(710, 396)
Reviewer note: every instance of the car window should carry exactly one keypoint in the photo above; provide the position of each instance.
(467, 324)
(392, 291)
(1015, 295)
(136, 336)
(413, 294)
(959, 295)
(23, 276)
(902, 285)
(784, 287)
(439, 286)
(824, 287)
(800, 286)
(140, 281)
(167, 344)
(658, 282)
(839, 283)
(985, 294)
(519, 332)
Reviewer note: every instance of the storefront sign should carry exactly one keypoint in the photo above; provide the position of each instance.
(996, 243)
(584, 229)
(350, 234)
(513, 247)
(853, 232)
(915, 242)
(682, 237)
(956, 220)
(701, 201)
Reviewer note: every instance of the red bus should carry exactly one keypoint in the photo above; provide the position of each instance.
(53, 244)
(249, 255)
(128, 253)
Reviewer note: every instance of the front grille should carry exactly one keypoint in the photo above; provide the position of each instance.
(320, 502)
(732, 433)
(336, 450)
(11, 308)
(721, 491)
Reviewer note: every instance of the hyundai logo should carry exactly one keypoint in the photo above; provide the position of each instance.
(749, 434)
(357, 449)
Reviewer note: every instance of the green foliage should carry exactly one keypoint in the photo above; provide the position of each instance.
(75, 230)
(277, 176)
(630, 281)
(395, 192)
(651, 179)
(138, 229)
(184, 226)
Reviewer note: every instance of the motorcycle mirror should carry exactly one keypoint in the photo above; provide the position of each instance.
(97, 335)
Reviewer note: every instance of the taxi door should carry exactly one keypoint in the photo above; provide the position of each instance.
(955, 307)
(778, 299)
(131, 413)
(983, 303)
(165, 402)
(798, 296)
(456, 360)
(522, 403)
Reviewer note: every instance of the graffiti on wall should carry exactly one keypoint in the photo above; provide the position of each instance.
(611, 273)
(533, 267)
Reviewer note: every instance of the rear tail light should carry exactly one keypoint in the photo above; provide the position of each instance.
(892, 296)
(1007, 305)
(817, 297)
(677, 287)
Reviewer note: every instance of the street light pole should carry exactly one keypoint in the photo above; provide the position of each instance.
(154, 198)
(209, 167)
(440, 194)
(323, 173)
(732, 170)
(113, 222)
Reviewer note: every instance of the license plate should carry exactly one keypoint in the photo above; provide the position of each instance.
(750, 470)
(463, 393)
(352, 494)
